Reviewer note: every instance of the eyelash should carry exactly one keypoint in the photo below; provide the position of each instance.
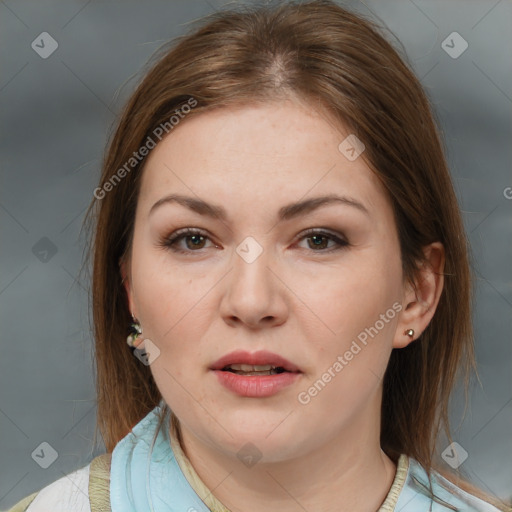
(171, 241)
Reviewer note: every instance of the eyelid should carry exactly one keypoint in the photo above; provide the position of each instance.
(323, 231)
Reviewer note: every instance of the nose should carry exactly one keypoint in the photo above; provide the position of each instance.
(254, 296)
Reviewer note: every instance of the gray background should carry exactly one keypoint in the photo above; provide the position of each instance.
(56, 115)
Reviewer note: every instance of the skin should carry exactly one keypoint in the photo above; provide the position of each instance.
(305, 303)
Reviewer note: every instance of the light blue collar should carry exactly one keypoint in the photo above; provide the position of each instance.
(441, 495)
(145, 476)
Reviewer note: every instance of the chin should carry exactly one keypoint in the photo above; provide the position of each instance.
(266, 444)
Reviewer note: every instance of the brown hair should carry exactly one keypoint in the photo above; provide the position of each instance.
(321, 53)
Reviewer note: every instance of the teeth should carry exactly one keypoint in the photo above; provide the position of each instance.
(267, 372)
(256, 369)
(251, 367)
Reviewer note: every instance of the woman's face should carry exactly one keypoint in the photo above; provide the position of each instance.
(272, 268)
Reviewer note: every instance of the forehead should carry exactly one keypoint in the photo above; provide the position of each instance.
(281, 150)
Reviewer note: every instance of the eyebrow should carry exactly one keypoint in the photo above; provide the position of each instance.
(287, 212)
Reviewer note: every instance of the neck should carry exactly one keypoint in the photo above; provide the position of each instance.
(350, 472)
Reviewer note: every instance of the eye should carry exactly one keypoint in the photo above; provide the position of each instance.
(194, 240)
(321, 238)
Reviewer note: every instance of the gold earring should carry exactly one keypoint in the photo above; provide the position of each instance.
(409, 332)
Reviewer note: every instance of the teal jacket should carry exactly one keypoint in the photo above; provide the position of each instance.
(144, 476)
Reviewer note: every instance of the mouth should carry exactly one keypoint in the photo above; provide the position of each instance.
(255, 375)
(252, 369)
(256, 364)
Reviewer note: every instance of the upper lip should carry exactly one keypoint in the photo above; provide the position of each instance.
(261, 357)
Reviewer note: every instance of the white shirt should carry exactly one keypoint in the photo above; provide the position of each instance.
(71, 492)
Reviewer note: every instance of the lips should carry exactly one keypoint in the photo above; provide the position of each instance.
(260, 358)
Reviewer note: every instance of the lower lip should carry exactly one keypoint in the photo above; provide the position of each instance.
(256, 386)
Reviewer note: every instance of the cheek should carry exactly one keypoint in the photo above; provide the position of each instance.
(342, 301)
(353, 329)
(167, 294)
(176, 308)
(352, 352)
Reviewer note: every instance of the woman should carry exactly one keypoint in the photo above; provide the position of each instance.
(278, 241)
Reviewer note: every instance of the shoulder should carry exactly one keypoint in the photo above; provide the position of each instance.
(470, 496)
(79, 491)
(69, 493)
(444, 494)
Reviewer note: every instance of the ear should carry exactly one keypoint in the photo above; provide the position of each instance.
(124, 267)
(422, 296)
(127, 283)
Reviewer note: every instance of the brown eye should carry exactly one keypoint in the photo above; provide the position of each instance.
(194, 241)
(318, 241)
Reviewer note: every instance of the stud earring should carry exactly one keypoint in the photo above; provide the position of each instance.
(409, 332)
(135, 334)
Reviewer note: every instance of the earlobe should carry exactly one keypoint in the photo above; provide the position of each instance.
(421, 297)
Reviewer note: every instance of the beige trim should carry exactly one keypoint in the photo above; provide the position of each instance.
(398, 484)
(190, 474)
(23, 504)
(99, 483)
